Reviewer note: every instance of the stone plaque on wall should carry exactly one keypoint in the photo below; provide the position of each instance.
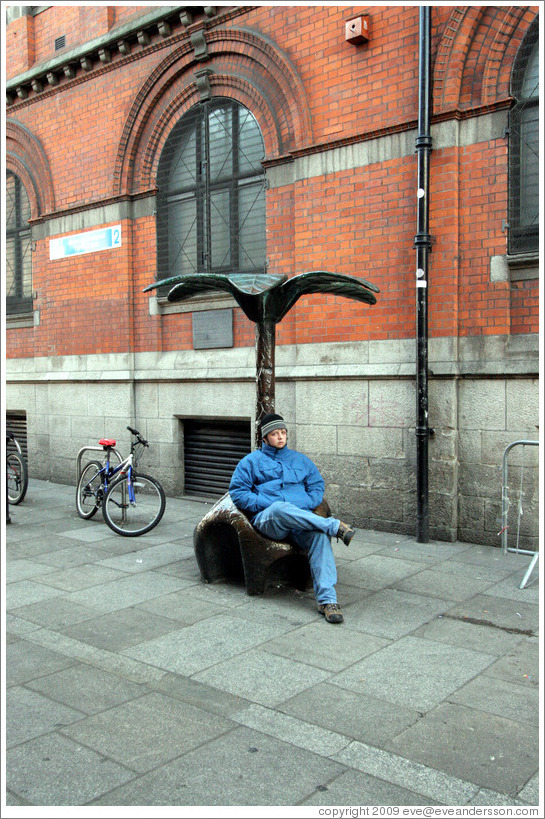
(212, 329)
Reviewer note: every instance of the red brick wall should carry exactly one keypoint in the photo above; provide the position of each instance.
(361, 222)
(19, 46)
(525, 307)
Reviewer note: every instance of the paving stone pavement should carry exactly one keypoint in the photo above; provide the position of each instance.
(129, 682)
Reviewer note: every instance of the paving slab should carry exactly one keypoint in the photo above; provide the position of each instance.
(56, 612)
(87, 689)
(69, 553)
(495, 696)
(529, 794)
(127, 591)
(414, 673)
(492, 572)
(204, 644)
(99, 658)
(120, 629)
(200, 694)
(80, 577)
(243, 767)
(391, 614)
(431, 553)
(288, 606)
(519, 617)
(54, 770)
(357, 788)
(377, 571)
(150, 557)
(451, 586)
(262, 677)
(352, 714)
(462, 632)
(26, 592)
(25, 661)
(181, 606)
(322, 647)
(488, 556)
(510, 586)
(185, 568)
(404, 771)
(298, 732)
(489, 750)
(17, 627)
(147, 731)
(23, 568)
(520, 664)
(29, 714)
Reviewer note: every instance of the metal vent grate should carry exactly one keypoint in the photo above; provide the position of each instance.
(212, 449)
(16, 423)
(60, 42)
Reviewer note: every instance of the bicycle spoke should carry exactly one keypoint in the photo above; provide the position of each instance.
(134, 518)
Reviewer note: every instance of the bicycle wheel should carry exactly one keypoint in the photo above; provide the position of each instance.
(17, 477)
(131, 519)
(89, 491)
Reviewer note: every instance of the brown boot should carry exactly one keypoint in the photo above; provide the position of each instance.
(345, 533)
(331, 611)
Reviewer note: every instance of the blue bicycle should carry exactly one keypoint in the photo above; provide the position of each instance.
(132, 503)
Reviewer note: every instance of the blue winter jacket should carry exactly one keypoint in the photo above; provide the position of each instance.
(269, 474)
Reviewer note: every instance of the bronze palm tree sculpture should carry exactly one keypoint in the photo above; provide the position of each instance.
(265, 298)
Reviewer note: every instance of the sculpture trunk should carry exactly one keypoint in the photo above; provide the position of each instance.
(264, 352)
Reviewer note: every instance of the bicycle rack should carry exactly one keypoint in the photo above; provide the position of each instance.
(91, 449)
(505, 510)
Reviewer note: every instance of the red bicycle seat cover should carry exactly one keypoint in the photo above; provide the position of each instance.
(107, 442)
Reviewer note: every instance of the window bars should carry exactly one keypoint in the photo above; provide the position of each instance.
(18, 247)
(211, 193)
(524, 147)
(520, 509)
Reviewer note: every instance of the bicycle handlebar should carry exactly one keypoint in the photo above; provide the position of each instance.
(140, 438)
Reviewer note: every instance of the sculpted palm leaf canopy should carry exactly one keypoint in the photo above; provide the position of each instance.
(265, 299)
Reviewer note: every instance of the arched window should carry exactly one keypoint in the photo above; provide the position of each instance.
(211, 193)
(524, 147)
(18, 247)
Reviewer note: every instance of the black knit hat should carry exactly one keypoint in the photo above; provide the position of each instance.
(271, 422)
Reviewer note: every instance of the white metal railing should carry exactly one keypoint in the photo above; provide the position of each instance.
(505, 503)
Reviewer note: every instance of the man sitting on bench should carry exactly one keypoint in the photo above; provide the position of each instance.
(277, 488)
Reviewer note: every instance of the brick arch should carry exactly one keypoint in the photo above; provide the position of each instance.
(475, 55)
(242, 66)
(26, 157)
(159, 127)
(497, 75)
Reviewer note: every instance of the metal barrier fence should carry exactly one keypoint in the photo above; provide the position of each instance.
(505, 504)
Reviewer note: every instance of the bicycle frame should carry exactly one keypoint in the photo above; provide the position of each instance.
(132, 503)
(108, 473)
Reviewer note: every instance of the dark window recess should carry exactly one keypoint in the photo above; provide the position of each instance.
(18, 247)
(524, 147)
(212, 449)
(211, 193)
(60, 42)
(16, 423)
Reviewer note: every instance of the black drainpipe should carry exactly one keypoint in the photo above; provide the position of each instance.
(422, 243)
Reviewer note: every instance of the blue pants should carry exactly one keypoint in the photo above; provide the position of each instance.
(312, 533)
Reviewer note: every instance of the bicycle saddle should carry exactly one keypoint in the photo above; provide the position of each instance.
(107, 442)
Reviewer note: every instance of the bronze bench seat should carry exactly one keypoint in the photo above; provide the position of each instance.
(227, 546)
